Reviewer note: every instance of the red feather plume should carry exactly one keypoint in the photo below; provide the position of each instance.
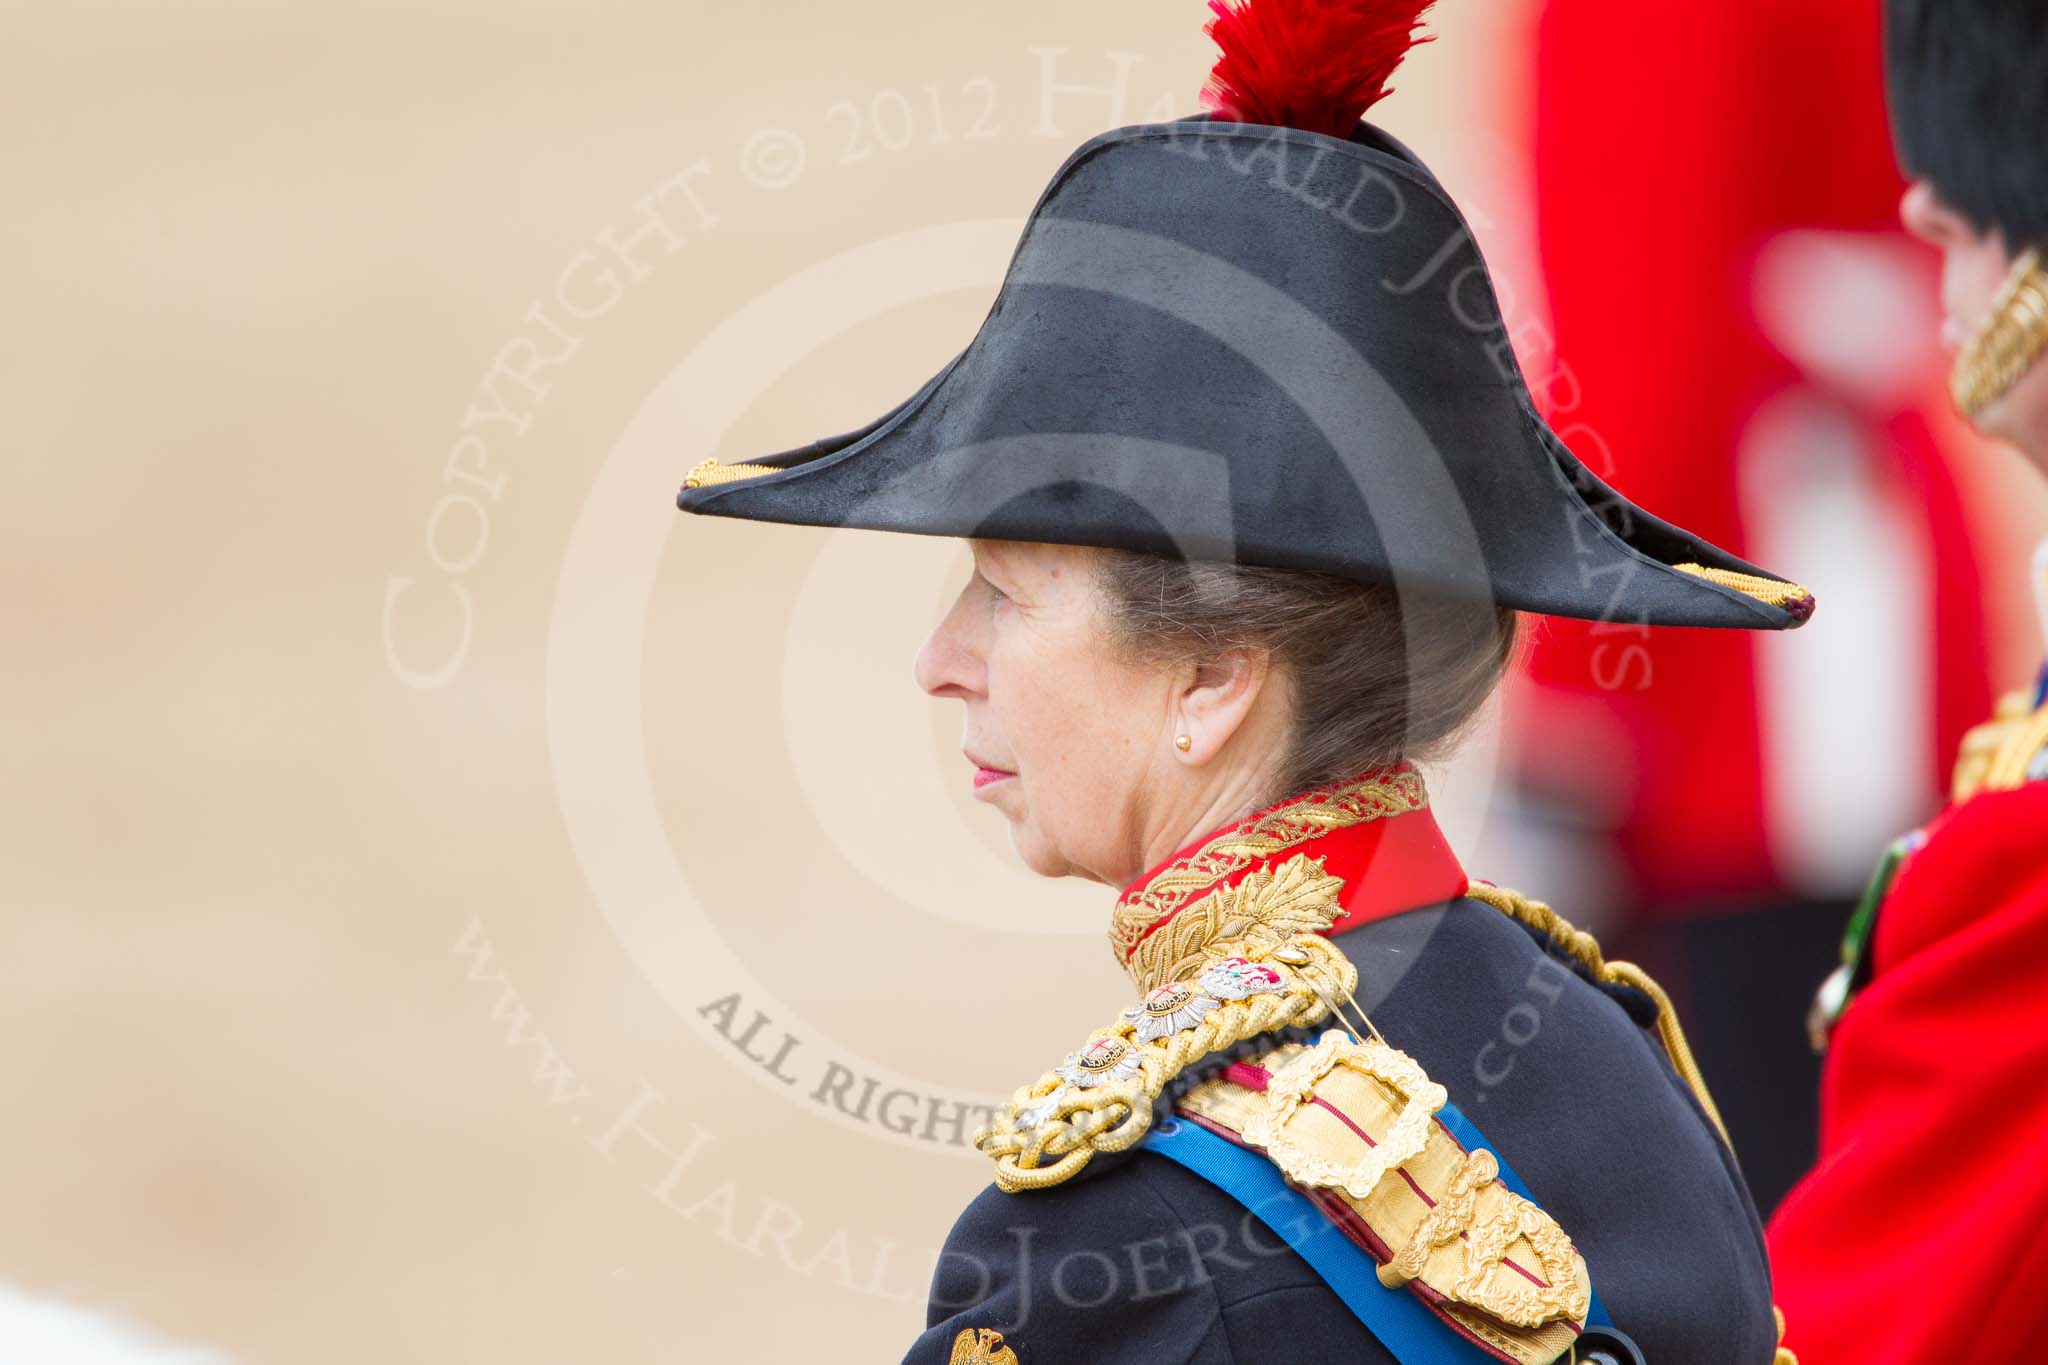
(1312, 64)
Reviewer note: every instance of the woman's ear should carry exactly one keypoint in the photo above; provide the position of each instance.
(1221, 697)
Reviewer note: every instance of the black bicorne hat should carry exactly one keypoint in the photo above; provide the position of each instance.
(1230, 340)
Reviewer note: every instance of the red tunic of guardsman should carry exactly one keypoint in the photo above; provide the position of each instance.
(1919, 1235)
(1931, 1189)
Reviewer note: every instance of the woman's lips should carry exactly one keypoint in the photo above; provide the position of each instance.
(984, 776)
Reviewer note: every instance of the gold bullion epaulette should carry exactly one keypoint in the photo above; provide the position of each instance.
(1353, 1124)
(2007, 751)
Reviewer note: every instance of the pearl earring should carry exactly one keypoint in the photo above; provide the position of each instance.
(1183, 742)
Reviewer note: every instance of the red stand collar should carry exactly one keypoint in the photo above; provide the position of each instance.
(1375, 831)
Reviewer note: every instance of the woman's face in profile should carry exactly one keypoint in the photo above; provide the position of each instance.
(1062, 735)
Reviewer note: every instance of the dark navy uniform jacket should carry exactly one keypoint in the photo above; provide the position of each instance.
(1140, 1262)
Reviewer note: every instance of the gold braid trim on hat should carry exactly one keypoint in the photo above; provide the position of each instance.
(1769, 591)
(1114, 1116)
(2010, 340)
(1308, 817)
(705, 473)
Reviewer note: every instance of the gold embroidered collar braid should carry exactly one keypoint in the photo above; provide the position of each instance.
(1310, 816)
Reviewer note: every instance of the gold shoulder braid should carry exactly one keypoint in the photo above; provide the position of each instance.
(1252, 961)
(1241, 961)
(1497, 1263)
(1101, 1099)
(1585, 950)
(2007, 751)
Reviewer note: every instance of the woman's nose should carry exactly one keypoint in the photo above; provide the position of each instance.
(947, 664)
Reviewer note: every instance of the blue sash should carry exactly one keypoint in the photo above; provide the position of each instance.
(1401, 1321)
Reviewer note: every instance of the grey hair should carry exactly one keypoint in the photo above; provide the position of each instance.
(1377, 674)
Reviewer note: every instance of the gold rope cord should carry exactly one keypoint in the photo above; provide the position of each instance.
(1769, 591)
(2011, 339)
(705, 473)
(1297, 822)
(1673, 1036)
(1584, 949)
(1783, 1357)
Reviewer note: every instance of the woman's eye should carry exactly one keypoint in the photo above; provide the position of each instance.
(994, 593)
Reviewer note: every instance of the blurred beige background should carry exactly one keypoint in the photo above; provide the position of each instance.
(351, 976)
